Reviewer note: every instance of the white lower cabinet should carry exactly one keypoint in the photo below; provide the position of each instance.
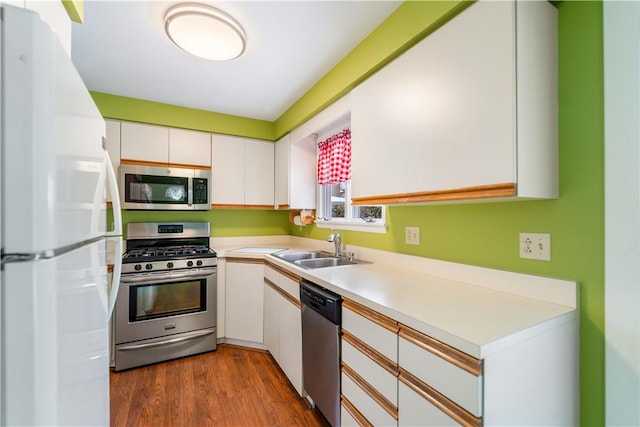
(282, 322)
(244, 300)
(346, 417)
(438, 384)
(375, 329)
(372, 411)
(418, 411)
(396, 375)
(369, 366)
(452, 373)
(271, 322)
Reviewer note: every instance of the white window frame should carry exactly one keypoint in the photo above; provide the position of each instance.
(324, 220)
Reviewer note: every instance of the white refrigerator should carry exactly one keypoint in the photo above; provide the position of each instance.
(55, 302)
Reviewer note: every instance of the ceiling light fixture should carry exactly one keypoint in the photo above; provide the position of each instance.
(204, 31)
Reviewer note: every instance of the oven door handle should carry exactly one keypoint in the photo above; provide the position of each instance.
(191, 336)
(169, 276)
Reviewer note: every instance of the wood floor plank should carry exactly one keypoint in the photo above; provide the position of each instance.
(232, 386)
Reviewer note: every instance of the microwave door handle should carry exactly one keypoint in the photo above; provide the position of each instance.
(190, 192)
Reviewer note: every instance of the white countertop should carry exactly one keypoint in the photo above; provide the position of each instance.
(470, 316)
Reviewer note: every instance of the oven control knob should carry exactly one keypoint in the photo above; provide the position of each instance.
(148, 266)
(169, 265)
(189, 263)
(137, 267)
(199, 263)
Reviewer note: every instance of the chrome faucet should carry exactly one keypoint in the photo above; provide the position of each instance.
(337, 241)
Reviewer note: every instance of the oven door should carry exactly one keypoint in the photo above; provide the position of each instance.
(163, 304)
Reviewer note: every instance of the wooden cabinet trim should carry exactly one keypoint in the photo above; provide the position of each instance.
(143, 163)
(442, 350)
(163, 165)
(282, 292)
(440, 401)
(382, 401)
(371, 353)
(283, 271)
(372, 315)
(244, 260)
(478, 192)
(259, 207)
(353, 411)
(239, 206)
(226, 206)
(186, 166)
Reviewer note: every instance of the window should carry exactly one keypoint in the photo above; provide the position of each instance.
(334, 189)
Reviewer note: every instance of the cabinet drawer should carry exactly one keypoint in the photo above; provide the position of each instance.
(379, 375)
(286, 281)
(418, 411)
(371, 327)
(452, 373)
(350, 416)
(346, 420)
(365, 404)
(271, 274)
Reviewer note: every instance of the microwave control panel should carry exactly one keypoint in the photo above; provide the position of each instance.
(200, 191)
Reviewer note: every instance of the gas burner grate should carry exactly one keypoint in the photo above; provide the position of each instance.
(167, 252)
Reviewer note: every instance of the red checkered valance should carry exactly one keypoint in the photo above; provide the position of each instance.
(334, 158)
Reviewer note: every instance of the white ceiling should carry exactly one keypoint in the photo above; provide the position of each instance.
(121, 49)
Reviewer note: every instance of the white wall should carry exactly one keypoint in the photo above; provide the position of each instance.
(622, 212)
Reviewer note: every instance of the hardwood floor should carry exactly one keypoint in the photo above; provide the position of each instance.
(232, 386)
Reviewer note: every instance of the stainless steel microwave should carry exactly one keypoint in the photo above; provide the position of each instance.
(164, 188)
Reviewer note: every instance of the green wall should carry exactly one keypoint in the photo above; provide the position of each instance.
(138, 110)
(224, 223)
(484, 234)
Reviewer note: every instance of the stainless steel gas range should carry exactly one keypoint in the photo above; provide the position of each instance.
(166, 306)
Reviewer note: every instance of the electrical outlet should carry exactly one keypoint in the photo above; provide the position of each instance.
(535, 246)
(412, 235)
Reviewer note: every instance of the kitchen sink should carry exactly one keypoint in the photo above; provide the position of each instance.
(293, 256)
(314, 259)
(331, 261)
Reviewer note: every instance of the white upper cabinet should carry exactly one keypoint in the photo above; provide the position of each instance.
(227, 171)
(189, 147)
(295, 173)
(282, 161)
(242, 172)
(143, 143)
(469, 112)
(259, 173)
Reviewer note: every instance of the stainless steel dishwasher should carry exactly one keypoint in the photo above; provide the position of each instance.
(321, 319)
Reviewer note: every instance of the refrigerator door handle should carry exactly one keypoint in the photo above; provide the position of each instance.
(115, 198)
(117, 271)
(116, 233)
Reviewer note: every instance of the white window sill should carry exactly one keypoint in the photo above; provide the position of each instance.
(374, 227)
